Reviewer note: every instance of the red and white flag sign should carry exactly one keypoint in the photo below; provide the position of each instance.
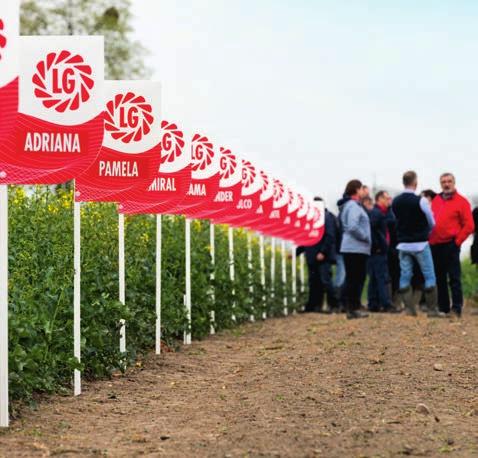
(59, 127)
(230, 184)
(171, 181)
(9, 18)
(266, 198)
(131, 152)
(205, 177)
(244, 207)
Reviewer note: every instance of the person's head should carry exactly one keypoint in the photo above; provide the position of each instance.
(365, 191)
(448, 183)
(429, 194)
(319, 199)
(354, 189)
(410, 180)
(383, 199)
(367, 202)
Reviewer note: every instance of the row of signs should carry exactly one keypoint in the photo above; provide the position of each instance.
(60, 120)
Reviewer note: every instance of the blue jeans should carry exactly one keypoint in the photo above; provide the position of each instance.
(378, 285)
(425, 261)
(339, 279)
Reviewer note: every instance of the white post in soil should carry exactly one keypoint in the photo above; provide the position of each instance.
(262, 261)
(231, 268)
(159, 241)
(212, 243)
(122, 283)
(77, 294)
(294, 277)
(187, 334)
(4, 415)
(273, 266)
(284, 277)
(249, 272)
(302, 275)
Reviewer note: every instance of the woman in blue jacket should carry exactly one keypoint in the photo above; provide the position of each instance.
(356, 246)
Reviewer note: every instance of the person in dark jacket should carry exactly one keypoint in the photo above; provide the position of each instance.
(320, 258)
(414, 223)
(379, 280)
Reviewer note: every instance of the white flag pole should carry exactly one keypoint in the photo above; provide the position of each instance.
(4, 415)
(77, 293)
(159, 240)
(249, 271)
(187, 334)
(302, 275)
(273, 266)
(263, 272)
(294, 277)
(284, 277)
(230, 234)
(122, 285)
(212, 244)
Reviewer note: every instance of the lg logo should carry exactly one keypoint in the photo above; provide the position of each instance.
(128, 117)
(202, 153)
(63, 81)
(228, 163)
(172, 143)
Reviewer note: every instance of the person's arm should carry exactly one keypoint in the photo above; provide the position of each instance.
(376, 219)
(425, 206)
(329, 235)
(390, 217)
(467, 223)
(352, 224)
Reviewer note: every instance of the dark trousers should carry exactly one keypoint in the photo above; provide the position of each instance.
(446, 259)
(320, 284)
(379, 282)
(355, 275)
(394, 270)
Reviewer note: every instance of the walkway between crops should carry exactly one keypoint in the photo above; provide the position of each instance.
(303, 386)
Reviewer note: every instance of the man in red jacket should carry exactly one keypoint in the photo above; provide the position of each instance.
(454, 223)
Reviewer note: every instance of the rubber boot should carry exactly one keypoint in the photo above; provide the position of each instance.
(408, 299)
(417, 294)
(431, 299)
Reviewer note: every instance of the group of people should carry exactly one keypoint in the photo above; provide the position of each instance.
(408, 246)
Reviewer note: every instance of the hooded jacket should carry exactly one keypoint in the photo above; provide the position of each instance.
(356, 232)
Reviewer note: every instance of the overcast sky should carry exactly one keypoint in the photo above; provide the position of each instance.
(321, 91)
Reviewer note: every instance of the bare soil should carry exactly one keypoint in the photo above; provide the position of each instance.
(305, 386)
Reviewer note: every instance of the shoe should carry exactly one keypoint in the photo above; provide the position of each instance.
(456, 312)
(437, 314)
(391, 309)
(407, 298)
(355, 314)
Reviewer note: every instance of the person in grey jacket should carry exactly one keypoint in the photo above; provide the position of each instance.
(356, 246)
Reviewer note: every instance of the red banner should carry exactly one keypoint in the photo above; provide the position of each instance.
(9, 17)
(228, 196)
(131, 153)
(243, 210)
(59, 128)
(171, 181)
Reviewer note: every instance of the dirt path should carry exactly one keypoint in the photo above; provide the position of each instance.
(298, 387)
